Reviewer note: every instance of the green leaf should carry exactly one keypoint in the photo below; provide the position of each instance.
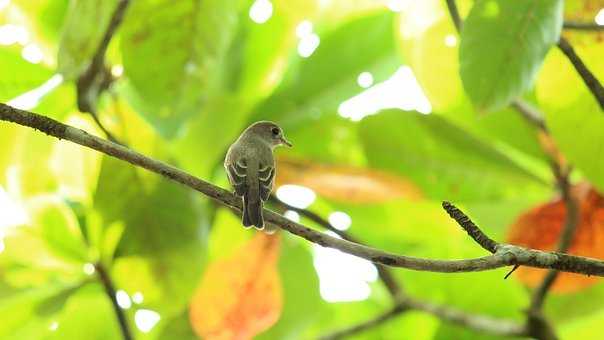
(83, 31)
(163, 240)
(87, 314)
(60, 230)
(45, 19)
(186, 45)
(574, 118)
(503, 44)
(428, 43)
(23, 76)
(442, 159)
(21, 312)
(304, 96)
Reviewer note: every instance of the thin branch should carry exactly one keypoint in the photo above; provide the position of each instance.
(97, 78)
(384, 272)
(363, 326)
(505, 255)
(582, 26)
(472, 229)
(476, 322)
(110, 291)
(531, 114)
(590, 80)
(570, 225)
(454, 12)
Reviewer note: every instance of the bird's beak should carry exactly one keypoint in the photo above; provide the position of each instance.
(286, 142)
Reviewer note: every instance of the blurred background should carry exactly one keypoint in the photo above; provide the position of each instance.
(390, 111)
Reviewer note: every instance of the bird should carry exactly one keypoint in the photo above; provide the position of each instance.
(250, 168)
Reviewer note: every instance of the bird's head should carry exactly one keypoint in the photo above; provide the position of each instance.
(268, 132)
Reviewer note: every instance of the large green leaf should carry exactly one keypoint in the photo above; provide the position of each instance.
(574, 118)
(186, 45)
(20, 312)
(317, 85)
(443, 160)
(503, 44)
(163, 237)
(83, 30)
(428, 42)
(87, 315)
(45, 19)
(23, 77)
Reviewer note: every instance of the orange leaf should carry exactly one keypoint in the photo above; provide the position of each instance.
(540, 228)
(239, 296)
(345, 183)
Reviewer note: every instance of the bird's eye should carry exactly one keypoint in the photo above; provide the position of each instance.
(275, 131)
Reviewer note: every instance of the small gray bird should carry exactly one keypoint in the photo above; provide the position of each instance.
(250, 166)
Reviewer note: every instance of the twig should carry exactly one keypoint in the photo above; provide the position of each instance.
(582, 26)
(590, 80)
(480, 323)
(505, 255)
(110, 291)
(570, 225)
(360, 327)
(531, 114)
(454, 12)
(384, 273)
(472, 229)
(97, 78)
(476, 322)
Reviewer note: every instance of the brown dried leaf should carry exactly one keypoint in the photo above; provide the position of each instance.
(540, 228)
(345, 183)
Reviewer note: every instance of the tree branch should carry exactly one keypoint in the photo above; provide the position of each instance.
(530, 113)
(478, 323)
(590, 80)
(454, 12)
(570, 225)
(405, 303)
(97, 78)
(110, 291)
(363, 326)
(472, 229)
(505, 254)
(384, 272)
(582, 26)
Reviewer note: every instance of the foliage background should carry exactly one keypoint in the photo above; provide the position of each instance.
(192, 74)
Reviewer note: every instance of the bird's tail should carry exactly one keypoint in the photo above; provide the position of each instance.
(252, 212)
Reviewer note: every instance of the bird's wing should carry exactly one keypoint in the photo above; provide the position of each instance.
(266, 176)
(237, 173)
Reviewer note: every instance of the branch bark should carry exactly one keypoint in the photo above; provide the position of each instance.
(582, 26)
(538, 326)
(393, 287)
(476, 322)
(590, 80)
(110, 291)
(363, 326)
(97, 78)
(505, 255)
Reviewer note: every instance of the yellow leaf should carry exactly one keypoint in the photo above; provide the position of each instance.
(239, 296)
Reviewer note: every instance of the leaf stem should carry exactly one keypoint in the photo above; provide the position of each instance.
(105, 279)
